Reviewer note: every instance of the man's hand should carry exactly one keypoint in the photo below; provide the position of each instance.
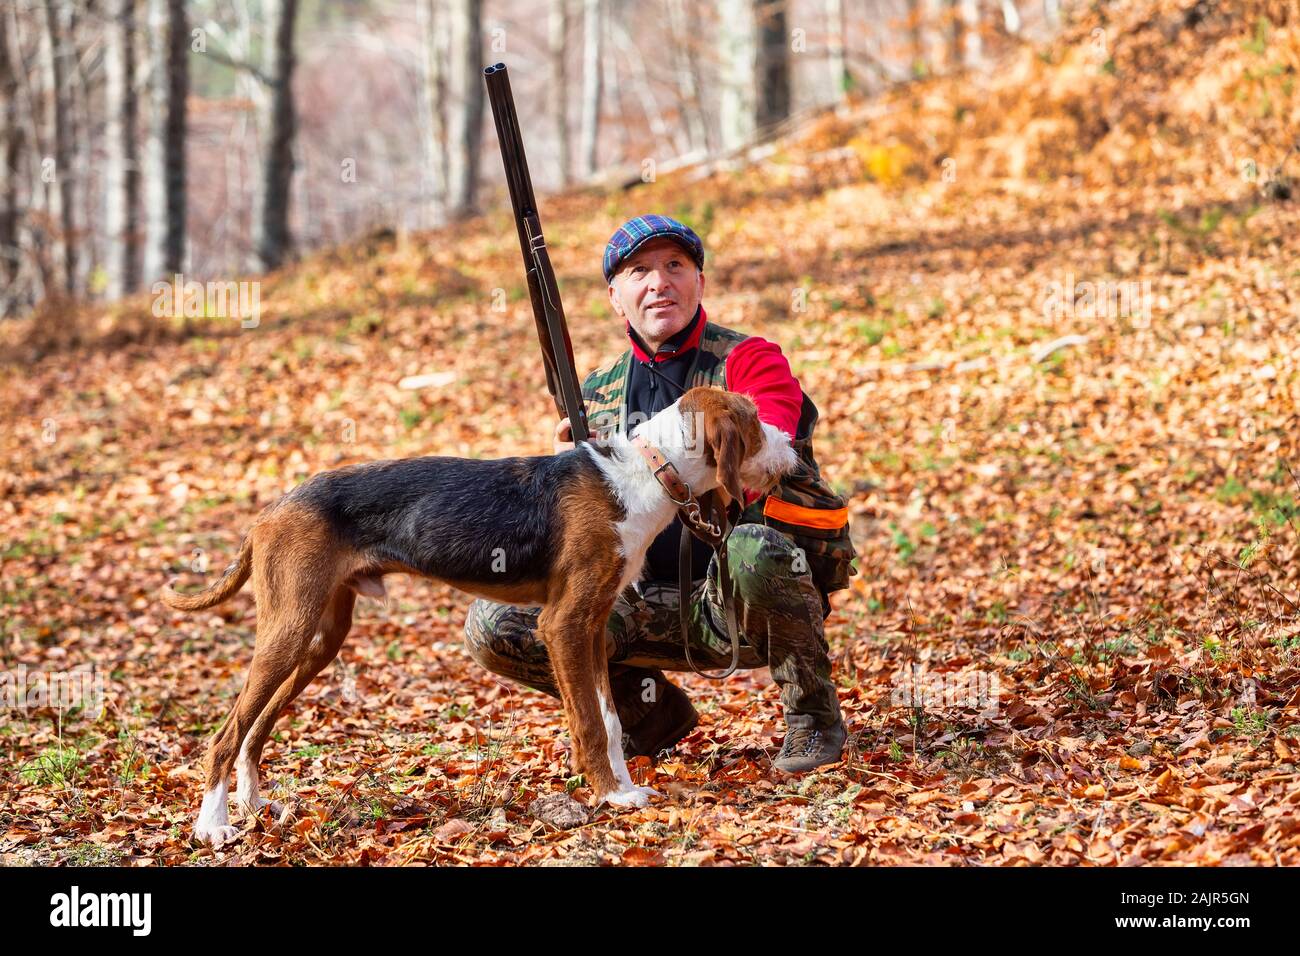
(563, 436)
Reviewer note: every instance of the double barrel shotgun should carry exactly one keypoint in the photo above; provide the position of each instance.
(548, 311)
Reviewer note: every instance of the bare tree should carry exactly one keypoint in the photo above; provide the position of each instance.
(56, 170)
(557, 39)
(11, 150)
(122, 171)
(612, 91)
(35, 274)
(592, 40)
(969, 50)
(773, 66)
(432, 36)
(879, 53)
(841, 79)
(756, 68)
(943, 37)
(640, 83)
(251, 85)
(684, 32)
(1052, 13)
(164, 179)
(273, 236)
(739, 49)
(920, 54)
(86, 121)
(468, 95)
(1010, 17)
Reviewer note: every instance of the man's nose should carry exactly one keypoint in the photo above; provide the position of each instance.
(655, 279)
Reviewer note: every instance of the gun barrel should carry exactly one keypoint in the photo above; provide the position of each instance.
(543, 290)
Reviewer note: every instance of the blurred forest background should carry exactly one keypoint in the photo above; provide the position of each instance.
(141, 138)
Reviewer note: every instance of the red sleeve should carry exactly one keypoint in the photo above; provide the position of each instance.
(757, 368)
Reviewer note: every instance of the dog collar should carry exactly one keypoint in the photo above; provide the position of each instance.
(665, 472)
(679, 492)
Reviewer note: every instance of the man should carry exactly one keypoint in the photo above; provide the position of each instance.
(787, 551)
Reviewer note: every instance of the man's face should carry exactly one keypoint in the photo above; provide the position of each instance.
(657, 290)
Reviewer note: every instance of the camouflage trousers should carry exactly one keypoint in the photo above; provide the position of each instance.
(779, 615)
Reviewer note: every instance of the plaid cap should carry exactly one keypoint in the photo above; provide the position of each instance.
(634, 233)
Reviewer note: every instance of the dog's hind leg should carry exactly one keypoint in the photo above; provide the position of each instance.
(267, 673)
(335, 624)
(292, 584)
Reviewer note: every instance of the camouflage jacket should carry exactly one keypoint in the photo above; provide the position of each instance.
(802, 506)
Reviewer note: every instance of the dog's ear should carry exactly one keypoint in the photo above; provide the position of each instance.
(724, 439)
(725, 498)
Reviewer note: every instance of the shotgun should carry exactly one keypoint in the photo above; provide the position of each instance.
(548, 311)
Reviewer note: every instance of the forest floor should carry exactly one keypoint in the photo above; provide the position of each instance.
(1098, 534)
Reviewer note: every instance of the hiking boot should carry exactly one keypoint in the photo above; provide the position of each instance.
(653, 725)
(805, 748)
(672, 719)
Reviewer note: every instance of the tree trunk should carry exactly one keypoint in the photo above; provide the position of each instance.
(558, 33)
(273, 238)
(433, 28)
(950, 36)
(35, 271)
(642, 89)
(841, 79)
(756, 68)
(968, 28)
(687, 70)
(773, 66)
(917, 12)
(468, 97)
(83, 97)
(739, 49)
(1052, 13)
(243, 166)
(11, 148)
(178, 91)
(165, 146)
(1010, 17)
(122, 172)
(592, 37)
(614, 95)
(57, 170)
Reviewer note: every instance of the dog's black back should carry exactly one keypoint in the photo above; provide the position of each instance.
(492, 521)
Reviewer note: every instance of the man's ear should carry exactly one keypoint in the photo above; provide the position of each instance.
(616, 305)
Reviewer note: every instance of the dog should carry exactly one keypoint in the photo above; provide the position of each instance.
(567, 532)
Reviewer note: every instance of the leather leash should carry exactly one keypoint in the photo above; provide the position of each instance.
(684, 584)
(714, 532)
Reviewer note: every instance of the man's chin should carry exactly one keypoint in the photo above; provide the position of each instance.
(664, 323)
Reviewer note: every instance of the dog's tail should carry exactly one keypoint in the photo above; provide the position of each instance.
(231, 580)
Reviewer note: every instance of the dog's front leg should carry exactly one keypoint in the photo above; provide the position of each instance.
(583, 680)
(628, 793)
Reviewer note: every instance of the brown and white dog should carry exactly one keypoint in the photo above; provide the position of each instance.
(567, 532)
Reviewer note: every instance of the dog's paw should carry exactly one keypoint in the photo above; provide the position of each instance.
(631, 796)
(216, 836)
